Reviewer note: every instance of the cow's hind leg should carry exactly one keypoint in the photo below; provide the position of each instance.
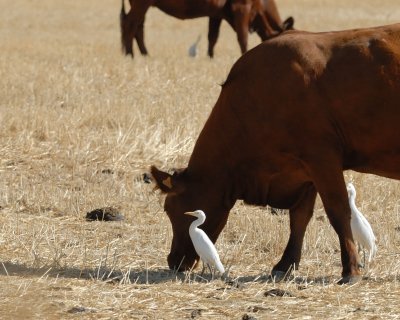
(329, 181)
(132, 26)
(300, 216)
(140, 39)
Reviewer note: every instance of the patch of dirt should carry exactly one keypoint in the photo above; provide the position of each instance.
(104, 214)
(278, 293)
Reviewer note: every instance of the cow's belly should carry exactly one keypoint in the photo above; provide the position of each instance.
(286, 189)
(184, 10)
(280, 190)
(384, 164)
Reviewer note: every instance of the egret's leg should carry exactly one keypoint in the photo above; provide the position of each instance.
(361, 265)
(364, 258)
(211, 271)
(202, 270)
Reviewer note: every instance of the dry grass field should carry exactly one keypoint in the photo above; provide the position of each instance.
(80, 123)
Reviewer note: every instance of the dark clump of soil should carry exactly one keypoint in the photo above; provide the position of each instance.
(248, 317)
(234, 284)
(195, 313)
(107, 171)
(278, 293)
(104, 214)
(80, 310)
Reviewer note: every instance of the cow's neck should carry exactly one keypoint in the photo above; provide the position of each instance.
(225, 160)
(215, 154)
(232, 166)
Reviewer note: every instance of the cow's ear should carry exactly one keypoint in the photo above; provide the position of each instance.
(288, 24)
(165, 182)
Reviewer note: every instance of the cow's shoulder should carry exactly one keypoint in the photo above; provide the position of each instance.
(309, 53)
(284, 56)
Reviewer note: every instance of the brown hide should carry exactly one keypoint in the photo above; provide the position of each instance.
(259, 15)
(294, 113)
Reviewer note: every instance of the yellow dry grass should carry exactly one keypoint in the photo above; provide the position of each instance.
(80, 123)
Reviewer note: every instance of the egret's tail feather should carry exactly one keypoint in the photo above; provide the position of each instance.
(220, 267)
(372, 253)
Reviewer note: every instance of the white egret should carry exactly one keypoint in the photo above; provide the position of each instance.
(202, 243)
(193, 48)
(360, 227)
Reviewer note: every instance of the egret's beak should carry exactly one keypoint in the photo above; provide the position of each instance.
(190, 213)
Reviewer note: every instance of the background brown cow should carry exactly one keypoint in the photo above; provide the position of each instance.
(243, 15)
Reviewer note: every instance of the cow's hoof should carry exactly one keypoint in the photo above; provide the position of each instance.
(350, 279)
(278, 276)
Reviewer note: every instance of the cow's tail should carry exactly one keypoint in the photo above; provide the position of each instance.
(122, 17)
(123, 13)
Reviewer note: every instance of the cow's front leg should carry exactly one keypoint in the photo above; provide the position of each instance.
(300, 216)
(213, 32)
(241, 19)
(132, 26)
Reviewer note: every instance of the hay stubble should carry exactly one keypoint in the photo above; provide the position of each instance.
(80, 124)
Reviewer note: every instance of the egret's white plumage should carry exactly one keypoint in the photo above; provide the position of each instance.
(360, 227)
(193, 48)
(202, 243)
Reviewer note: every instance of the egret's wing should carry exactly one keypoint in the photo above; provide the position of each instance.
(357, 228)
(362, 232)
(208, 253)
(367, 225)
(371, 238)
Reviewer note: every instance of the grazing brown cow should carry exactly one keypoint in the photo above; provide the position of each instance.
(243, 15)
(293, 113)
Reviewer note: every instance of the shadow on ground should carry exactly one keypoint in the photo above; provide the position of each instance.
(142, 276)
(145, 276)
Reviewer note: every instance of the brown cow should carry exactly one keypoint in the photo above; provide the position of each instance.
(243, 15)
(293, 113)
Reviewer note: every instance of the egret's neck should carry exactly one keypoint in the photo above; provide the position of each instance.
(200, 220)
(352, 200)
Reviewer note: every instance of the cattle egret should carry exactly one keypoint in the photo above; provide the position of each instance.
(202, 243)
(193, 48)
(360, 227)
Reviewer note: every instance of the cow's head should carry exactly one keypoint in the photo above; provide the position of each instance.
(186, 193)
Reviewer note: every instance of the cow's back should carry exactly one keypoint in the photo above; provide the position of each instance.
(303, 89)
